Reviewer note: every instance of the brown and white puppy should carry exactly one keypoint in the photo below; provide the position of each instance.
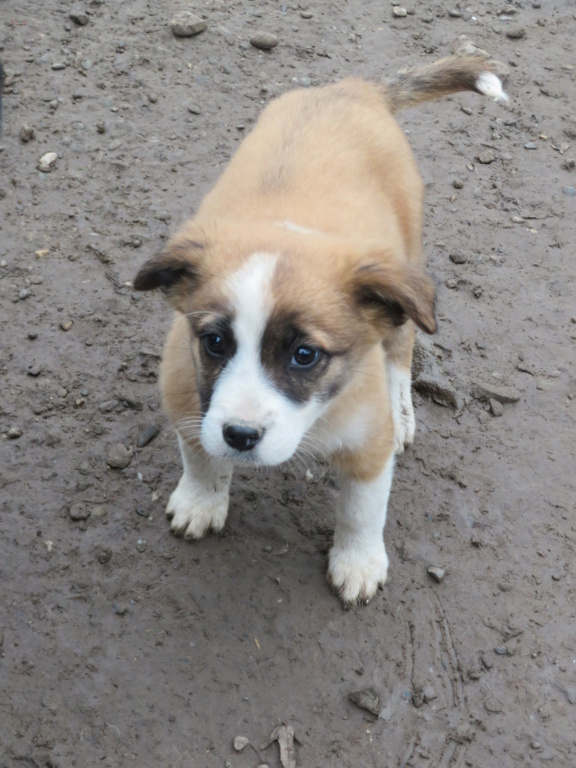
(297, 289)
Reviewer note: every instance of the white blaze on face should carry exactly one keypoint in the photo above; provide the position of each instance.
(243, 393)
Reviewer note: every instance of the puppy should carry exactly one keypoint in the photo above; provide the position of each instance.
(297, 290)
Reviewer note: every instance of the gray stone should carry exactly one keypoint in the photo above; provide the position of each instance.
(496, 408)
(118, 457)
(148, 434)
(240, 743)
(79, 511)
(484, 391)
(27, 133)
(399, 12)
(429, 693)
(14, 432)
(186, 24)
(515, 33)
(486, 157)
(428, 378)
(493, 706)
(79, 16)
(437, 572)
(108, 405)
(47, 162)
(264, 41)
(463, 46)
(366, 698)
(458, 257)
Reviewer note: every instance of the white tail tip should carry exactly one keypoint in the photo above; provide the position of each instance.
(489, 84)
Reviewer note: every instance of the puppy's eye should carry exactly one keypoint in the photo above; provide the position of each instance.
(214, 344)
(304, 357)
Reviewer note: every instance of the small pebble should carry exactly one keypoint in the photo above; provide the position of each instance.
(152, 98)
(141, 545)
(79, 511)
(451, 283)
(120, 609)
(148, 434)
(496, 408)
(104, 556)
(24, 293)
(264, 41)
(458, 257)
(530, 145)
(34, 370)
(367, 698)
(79, 16)
(27, 133)
(399, 12)
(186, 24)
(457, 183)
(515, 33)
(437, 572)
(501, 650)
(47, 162)
(429, 693)
(486, 157)
(14, 433)
(484, 391)
(118, 457)
(194, 109)
(32, 335)
(240, 742)
(493, 706)
(58, 65)
(65, 325)
(569, 191)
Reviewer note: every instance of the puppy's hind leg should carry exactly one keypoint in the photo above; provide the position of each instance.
(398, 366)
(200, 501)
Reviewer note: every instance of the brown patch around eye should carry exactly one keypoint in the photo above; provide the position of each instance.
(280, 340)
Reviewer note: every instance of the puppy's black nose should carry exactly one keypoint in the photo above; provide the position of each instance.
(241, 437)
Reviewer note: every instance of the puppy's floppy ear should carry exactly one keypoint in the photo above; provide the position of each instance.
(175, 271)
(395, 292)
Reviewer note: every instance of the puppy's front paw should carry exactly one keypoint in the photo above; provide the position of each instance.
(355, 573)
(195, 511)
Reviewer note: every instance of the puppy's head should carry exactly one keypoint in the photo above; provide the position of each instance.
(279, 326)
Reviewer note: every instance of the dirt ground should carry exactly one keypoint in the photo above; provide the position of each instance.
(122, 645)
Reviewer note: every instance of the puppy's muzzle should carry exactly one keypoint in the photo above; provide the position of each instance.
(242, 437)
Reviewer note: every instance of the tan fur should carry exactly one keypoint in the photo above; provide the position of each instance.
(335, 161)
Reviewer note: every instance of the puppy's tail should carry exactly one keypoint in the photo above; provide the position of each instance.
(450, 75)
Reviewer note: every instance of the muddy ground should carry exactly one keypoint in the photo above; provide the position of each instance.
(122, 645)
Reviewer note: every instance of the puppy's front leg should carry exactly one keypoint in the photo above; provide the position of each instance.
(358, 562)
(200, 501)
